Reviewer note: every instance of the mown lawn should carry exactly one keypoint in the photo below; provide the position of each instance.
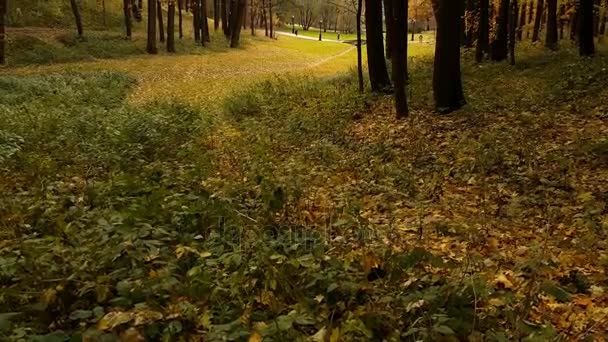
(254, 193)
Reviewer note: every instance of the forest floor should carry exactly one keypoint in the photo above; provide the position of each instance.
(249, 193)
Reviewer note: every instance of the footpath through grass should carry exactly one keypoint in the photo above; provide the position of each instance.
(171, 197)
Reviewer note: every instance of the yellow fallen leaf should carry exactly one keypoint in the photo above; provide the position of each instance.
(113, 319)
(502, 281)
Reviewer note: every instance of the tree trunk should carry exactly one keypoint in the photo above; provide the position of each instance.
(180, 19)
(204, 22)
(3, 11)
(252, 14)
(469, 20)
(603, 24)
(596, 18)
(537, 20)
(225, 10)
(196, 26)
(513, 29)
(560, 22)
(271, 18)
(483, 35)
(127, 13)
(77, 17)
(585, 31)
(388, 18)
(398, 26)
(376, 64)
(447, 82)
(500, 44)
(171, 26)
(551, 38)
(151, 46)
(236, 17)
(522, 22)
(574, 22)
(530, 18)
(359, 42)
(161, 26)
(265, 18)
(216, 14)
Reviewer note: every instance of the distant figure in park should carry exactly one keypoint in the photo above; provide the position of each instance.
(421, 38)
(296, 33)
(338, 36)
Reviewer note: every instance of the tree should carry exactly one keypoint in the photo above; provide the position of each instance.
(551, 38)
(237, 13)
(388, 18)
(204, 22)
(77, 17)
(171, 26)
(161, 26)
(499, 47)
(359, 43)
(398, 26)
(512, 29)
(151, 46)
(585, 31)
(127, 13)
(196, 26)
(180, 19)
(483, 35)
(522, 21)
(376, 64)
(3, 11)
(216, 14)
(537, 19)
(530, 18)
(447, 82)
(224, 10)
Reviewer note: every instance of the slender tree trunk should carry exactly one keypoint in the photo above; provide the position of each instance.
(483, 35)
(574, 23)
(151, 47)
(3, 11)
(603, 24)
(77, 17)
(469, 20)
(512, 29)
(537, 21)
(376, 64)
(530, 18)
(236, 17)
(388, 18)
(271, 18)
(225, 10)
(127, 12)
(252, 14)
(171, 26)
(522, 22)
(359, 42)
(265, 17)
(216, 15)
(500, 44)
(161, 26)
(551, 38)
(447, 82)
(562, 12)
(596, 18)
(180, 19)
(585, 31)
(398, 26)
(196, 26)
(205, 22)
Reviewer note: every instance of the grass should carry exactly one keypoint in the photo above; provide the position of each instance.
(250, 193)
(314, 33)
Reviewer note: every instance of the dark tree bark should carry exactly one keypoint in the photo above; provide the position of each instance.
(398, 26)
(171, 26)
(551, 38)
(252, 15)
(574, 22)
(161, 26)
(447, 82)
(205, 35)
(151, 46)
(77, 17)
(500, 44)
(522, 22)
(603, 25)
(596, 18)
(560, 22)
(180, 18)
(270, 18)
(265, 18)
(537, 20)
(483, 35)
(388, 19)
(376, 64)
(196, 26)
(127, 12)
(513, 29)
(530, 18)
(359, 42)
(585, 31)
(469, 20)
(3, 11)
(237, 14)
(216, 15)
(225, 10)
